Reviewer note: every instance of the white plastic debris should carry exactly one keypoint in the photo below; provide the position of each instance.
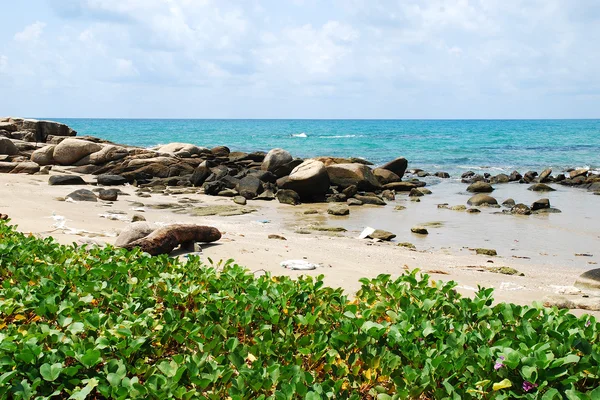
(509, 286)
(366, 232)
(115, 217)
(300, 265)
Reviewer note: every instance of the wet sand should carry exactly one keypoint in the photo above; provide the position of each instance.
(549, 240)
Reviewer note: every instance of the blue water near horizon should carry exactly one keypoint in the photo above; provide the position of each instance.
(449, 145)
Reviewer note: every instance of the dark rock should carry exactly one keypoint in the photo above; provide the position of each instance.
(111, 180)
(388, 195)
(473, 210)
(287, 196)
(515, 176)
(467, 174)
(540, 187)
(350, 191)
(443, 175)
(138, 218)
(286, 169)
(213, 188)
(540, 204)
(249, 187)
(200, 174)
(108, 195)
(220, 151)
(589, 281)
(529, 176)
(385, 176)
(82, 195)
(508, 203)
(336, 198)
(397, 166)
(481, 199)
(66, 180)
(473, 179)
(400, 186)
(415, 193)
(423, 174)
(228, 193)
(549, 210)
(8, 147)
(480, 187)
(419, 230)
(500, 178)
(267, 195)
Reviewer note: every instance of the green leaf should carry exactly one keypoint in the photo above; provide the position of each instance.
(82, 394)
(51, 372)
(503, 384)
(90, 358)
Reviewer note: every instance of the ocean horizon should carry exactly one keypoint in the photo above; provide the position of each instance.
(451, 145)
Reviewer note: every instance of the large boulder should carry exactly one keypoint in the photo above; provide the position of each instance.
(8, 126)
(308, 179)
(45, 129)
(397, 166)
(275, 159)
(6, 167)
(249, 187)
(360, 175)
(7, 147)
(480, 187)
(200, 174)
(578, 172)
(44, 156)
(589, 281)
(66, 180)
(111, 180)
(69, 151)
(107, 154)
(133, 232)
(481, 199)
(545, 175)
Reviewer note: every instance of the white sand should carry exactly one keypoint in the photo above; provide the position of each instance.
(32, 205)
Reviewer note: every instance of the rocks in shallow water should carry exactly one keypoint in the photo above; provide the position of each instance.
(382, 235)
(578, 172)
(480, 187)
(385, 176)
(500, 178)
(287, 196)
(350, 191)
(545, 175)
(589, 281)
(388, 195)
(508, 203)
(69, 151)
(481, 199)
(401, 186)
(459, 208)
(82, 195)
(549, 210)
(108, 195)
(309, 179)
(276, 158)
(400, 208)
(486, 252)
(529, 176)
(540, 204)
(515, 176)
(421, 230)
(397, 166)
(540, 187)
(359, 175)
(415, 193)
(443, 175)
(374, 200)
(473, 210)
(354, 202)
(66, 180)
(338, 209)
(407, 245)
(241, 200)
(520, 209)
(111, 180)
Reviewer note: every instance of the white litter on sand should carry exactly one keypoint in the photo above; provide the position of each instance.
(509, 286)
(300, 265)
(116, 217)
(366, 232)
(565, 289)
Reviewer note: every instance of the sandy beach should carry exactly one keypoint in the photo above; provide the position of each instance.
(343, 259)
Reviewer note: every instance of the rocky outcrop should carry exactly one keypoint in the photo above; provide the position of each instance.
(69, 151)
(397, 166)
(276, 158)
(44, 156)
(7, 147)
(309, 179)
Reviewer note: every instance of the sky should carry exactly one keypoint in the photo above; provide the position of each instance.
(392, 59)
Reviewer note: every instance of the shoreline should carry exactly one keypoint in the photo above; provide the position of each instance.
(345, 258)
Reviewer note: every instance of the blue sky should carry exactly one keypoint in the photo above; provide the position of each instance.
(300, 58)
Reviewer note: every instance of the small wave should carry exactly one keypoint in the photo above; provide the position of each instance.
(299, 135)
(337, 137)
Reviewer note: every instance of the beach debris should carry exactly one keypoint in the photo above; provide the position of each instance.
(164, 240)
(115, 216)
(509, 286)
(298, 265)
(3, 217)
(366, 232)
(583, 255)
(338, 209)
(486, 252)
(277, 237)
(421, 230)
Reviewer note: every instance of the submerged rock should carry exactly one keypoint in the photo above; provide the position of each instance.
(540, 204)
(540, 187)
(382, 235)
(338, 209)
(480, 187)
(481, 199)
(419, 230)
(520, 209)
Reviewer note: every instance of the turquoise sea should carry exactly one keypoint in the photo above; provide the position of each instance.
(433, 145)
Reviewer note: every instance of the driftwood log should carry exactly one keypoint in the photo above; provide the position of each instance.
(165, 240)
(3, 217)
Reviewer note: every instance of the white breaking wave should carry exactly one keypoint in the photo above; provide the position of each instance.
(299, 135)
(337, 136)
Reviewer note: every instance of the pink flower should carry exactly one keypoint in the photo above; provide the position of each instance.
(499, 364)
(588, 323)
(527, 386)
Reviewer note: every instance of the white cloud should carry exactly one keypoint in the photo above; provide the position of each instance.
(125, 68)
(3, 63)
(30, 33)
